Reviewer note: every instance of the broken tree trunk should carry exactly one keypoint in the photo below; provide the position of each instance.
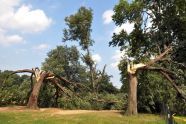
(33, 99)
(132, 70)
(132, 95)
(40, 76)
(133, 82)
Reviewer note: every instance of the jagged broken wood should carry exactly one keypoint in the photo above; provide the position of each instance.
(132, 70)
(40, 77)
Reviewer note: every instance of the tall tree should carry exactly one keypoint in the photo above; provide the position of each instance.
(159, 29)
(79, 29)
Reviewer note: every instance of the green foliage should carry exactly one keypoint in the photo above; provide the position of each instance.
(153, 91)
(90, 101)
(168, 27)
(13, 90)
(65, 61)
(47, 96)
(106, 86)
(79, 27)
(157, 25)
(74, 103)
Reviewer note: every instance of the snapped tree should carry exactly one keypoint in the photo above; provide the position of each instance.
(158, 31)
(41, 77)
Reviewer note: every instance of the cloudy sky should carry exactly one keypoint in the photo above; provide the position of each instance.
(29, 29)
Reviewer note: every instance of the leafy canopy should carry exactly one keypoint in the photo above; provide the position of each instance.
(79, 27)
(157, 25)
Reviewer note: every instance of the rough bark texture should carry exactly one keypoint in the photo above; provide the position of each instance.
(33, 99)
(132, 98)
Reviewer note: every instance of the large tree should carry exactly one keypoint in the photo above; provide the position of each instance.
(79, 29)
(42, 77)
(63, 61)
(159, 30)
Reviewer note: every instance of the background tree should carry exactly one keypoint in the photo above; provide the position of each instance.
(159, 29)
(79, 29)
(15, 90)
(63, 61)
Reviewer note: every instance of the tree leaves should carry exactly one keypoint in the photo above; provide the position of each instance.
(79, 27)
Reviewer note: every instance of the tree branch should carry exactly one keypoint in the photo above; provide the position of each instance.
(159, 69)
(174, 85)
(61, 88)
(167, 74)
(22, 71)
(158, 58)
(19, 71)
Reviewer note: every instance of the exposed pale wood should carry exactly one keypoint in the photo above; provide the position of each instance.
(33, 99)
(40, 76)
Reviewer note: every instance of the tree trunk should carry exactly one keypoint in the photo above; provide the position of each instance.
(132, 96)
(33, 99)
(56, 97)
(92, 79)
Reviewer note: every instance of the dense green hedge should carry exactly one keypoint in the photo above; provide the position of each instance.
(92, 101)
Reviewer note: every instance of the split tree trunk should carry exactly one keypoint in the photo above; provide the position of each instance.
(133, 82)
(33, 99)
(132, 96)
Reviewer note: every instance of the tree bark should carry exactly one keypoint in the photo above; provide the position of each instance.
(132, 96)
(33, 99)
(92, 78)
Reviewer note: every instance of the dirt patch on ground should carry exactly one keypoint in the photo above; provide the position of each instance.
(12, 108)
(53, 111)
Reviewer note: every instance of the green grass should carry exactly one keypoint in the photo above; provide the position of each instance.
(39, 117)
(180, 119)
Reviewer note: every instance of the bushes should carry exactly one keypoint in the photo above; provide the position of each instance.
(92, 101)
(14, 90)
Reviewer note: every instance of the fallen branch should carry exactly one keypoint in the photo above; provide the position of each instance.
(174, 85)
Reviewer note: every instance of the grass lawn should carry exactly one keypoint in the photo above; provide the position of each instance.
(57, 116)
(180, 119)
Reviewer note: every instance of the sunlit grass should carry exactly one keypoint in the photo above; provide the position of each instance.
(49, 117)
(180, 119)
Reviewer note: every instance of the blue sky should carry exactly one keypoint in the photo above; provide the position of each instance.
(29, 29)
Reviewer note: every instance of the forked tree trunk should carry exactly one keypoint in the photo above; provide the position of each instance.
(132, 70)
(33, 99)
(132, 96)
(40, 76)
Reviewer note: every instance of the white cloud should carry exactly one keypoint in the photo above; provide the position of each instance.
(25, 20)
(6, 5)
(117, 58)
(29, 20)
(96, 58)
(18, 18)
(107, 16)
(7, 40)
(41, 47)
(128, 27)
